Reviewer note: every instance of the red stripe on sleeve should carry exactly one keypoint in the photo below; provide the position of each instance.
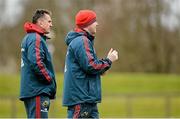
(91, 62)
(38, 59)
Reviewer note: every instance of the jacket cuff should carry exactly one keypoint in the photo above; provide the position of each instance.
(108, 61)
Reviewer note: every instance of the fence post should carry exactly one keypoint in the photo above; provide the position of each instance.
(168, 106)
(13, 107)
(129, 106)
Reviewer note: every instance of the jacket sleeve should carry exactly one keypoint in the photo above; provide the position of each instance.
(87, 59)
(36, 56)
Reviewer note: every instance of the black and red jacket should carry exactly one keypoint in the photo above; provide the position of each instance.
(82, 72)
(37, 73)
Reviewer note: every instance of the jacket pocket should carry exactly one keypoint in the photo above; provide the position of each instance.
(95, 87)
(78, 73)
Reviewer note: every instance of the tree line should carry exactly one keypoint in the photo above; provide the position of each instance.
(133, 27)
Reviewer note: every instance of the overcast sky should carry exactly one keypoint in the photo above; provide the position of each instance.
(13, 10)
(171, 20)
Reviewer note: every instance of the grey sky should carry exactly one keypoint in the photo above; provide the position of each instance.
(13, 11)
(171, 20)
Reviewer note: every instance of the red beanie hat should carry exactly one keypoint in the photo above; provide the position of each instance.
(85, 18)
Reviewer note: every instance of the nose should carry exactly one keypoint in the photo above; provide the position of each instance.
(51, 25)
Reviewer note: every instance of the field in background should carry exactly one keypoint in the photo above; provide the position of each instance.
(124, 95)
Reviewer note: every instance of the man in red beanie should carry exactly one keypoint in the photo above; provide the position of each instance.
(82, 84)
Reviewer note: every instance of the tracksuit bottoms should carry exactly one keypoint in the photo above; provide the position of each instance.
(37, 107)
(84, 110)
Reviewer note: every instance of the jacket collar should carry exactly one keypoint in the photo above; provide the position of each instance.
(85, 33)
(30, 27)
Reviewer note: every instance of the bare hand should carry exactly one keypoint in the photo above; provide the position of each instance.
(112, 55)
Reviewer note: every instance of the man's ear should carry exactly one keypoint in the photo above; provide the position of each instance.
(39, 22)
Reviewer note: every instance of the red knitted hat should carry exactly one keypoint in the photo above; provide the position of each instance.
(85, 18)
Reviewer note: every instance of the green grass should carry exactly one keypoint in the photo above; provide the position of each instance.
(9, 85)
(116, 88)
(140, 83)
(5, 108)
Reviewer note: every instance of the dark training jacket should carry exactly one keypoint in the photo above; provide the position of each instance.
(82, 70)
(37, 73)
